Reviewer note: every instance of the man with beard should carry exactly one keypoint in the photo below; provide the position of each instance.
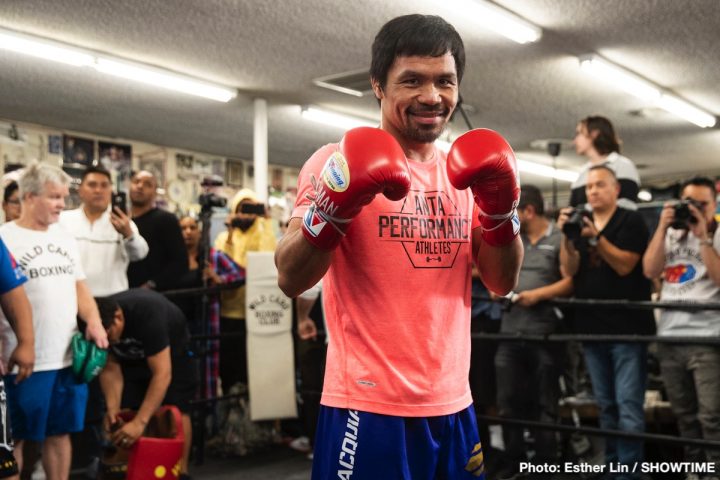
(166, 261)
(396, 267)
(248, 231)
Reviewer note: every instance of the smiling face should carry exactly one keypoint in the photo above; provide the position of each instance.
(419, 96)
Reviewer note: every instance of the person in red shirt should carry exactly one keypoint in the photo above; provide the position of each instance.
(389, 223)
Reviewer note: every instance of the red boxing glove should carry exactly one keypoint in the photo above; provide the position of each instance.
(368, 161)
(482, 160)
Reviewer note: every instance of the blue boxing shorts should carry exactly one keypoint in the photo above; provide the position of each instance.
(46, 404)
(355, 445)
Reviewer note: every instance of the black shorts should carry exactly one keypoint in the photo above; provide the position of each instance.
(8, 465)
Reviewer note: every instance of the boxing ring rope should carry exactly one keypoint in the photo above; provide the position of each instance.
(573, 303)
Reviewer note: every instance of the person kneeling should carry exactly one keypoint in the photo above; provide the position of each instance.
(148, 365)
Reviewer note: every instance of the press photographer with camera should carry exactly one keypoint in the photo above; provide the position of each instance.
(604, 261)
(249, 230)
(684, 253)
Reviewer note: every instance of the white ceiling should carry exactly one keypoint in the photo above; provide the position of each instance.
(274, 50)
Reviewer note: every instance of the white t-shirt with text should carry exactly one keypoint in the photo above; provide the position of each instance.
(51, 261)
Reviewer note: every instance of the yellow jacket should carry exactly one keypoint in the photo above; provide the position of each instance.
(235, 243)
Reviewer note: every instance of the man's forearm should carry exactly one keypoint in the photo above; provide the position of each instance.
(111, 384)
(711, 259)
(300, 264)
(569, 258)
(499, 267)
(623, 262)
(654, 257)
(87, 308)
(561, 288)
(18, 311)
(157, 389)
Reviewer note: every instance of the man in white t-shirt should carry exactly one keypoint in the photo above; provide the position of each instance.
(107, 238)
(684, 252)
(50, 404)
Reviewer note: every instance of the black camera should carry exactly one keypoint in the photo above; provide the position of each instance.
(253, 209)
(209, 200)
(574, 224)
(683, 217)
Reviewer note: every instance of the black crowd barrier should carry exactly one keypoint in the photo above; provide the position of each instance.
(559, 302)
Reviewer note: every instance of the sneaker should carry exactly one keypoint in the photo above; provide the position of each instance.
(301, 444)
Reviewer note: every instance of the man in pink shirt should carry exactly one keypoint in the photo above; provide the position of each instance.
(396, 402)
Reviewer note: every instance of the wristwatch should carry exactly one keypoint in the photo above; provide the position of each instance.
(707, 241)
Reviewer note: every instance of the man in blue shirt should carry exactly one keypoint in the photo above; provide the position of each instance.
(18, 311)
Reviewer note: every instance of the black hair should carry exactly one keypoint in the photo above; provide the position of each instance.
(107, 308)
(94, 169)
(606, 141)
(605, 166)
(531, 195)
(699, 182)
(10, 188)
(410, 35)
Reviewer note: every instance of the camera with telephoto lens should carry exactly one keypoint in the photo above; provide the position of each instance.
(574, 224)
(209, 200)
(683, 217)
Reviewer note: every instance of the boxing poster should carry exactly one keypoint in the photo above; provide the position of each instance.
(271, 368)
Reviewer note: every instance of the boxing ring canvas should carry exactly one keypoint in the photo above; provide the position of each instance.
(271, 369)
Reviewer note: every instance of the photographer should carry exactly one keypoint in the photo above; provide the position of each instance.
(684, 252)
(248, 231)
(605, 264)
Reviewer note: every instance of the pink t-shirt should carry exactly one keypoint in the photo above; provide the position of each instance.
(397, 298)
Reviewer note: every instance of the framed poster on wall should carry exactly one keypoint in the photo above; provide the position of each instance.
(116, 158)
(235, 173)
(154, 162)
(78, 150)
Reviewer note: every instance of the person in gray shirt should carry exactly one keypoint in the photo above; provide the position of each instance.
(530, 371)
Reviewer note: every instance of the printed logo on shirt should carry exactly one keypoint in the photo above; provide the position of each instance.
(335, 173)
(17, 269)
(430, 228)
(65, 265)
(680, 273)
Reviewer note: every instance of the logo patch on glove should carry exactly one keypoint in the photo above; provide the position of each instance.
(515, 223)
(335, 173)
(313, 221)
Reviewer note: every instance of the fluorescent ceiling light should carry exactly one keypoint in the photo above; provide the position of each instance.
(619, 77)
(45, 49)
(546, 171)
(58, 52)
(345, 122)
(642, 88)
(498, 20)
(164, 78)
(684, 110)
